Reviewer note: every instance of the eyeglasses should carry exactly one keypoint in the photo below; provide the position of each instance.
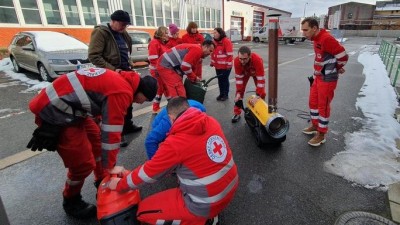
(243, 59)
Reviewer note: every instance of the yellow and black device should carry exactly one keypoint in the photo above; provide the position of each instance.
(269, 128)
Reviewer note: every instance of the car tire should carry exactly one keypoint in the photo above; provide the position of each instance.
(43, 74)
(16, 66)
(256, 39)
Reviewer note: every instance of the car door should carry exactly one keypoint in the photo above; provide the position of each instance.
(25, 53)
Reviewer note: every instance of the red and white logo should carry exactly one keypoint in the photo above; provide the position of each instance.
(216, 148)
(92, 72)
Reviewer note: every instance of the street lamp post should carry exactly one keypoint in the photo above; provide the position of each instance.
(305, 5)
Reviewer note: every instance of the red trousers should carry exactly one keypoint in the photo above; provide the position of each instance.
(80, 149)
(321, 95)
(160, 90)
(172, 82)
(167, 207)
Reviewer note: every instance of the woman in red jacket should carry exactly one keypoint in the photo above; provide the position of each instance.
(221, 60)
(157, 47)
(194, 37)
(174, 38)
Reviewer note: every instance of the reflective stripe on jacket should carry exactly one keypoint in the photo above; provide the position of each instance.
(222, 56)
(95, 92)
(204, 165)
(330, 56)
(183, 59)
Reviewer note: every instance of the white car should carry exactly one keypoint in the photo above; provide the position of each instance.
(48, 53)
(140, 45)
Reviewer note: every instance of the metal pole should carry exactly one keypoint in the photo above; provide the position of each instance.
(304, 14)
(3, 214)
(273, 64)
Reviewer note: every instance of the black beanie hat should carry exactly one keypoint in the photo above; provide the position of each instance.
(121, 15)
(148, 87)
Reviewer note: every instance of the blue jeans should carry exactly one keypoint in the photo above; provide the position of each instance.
(223, 81)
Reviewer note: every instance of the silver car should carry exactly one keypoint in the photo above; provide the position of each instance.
(48, 53)
(140, 45)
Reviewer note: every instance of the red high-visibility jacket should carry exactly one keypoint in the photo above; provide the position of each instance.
(330, 56)
(183, 59)
(172, 42)
(156, 49)
(95, 92)
(196, 38)
(254, 68)
(197, 149)
(222, 56)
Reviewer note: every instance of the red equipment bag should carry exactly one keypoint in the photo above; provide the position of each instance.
(114, 208)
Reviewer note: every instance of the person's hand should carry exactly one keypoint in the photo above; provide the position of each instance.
(113, 183)
(254, 100)
(45, 137)
(237, 98)
(341, 70)
(118, 170)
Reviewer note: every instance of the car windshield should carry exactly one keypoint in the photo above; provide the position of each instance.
(140, 38)
(50, 41)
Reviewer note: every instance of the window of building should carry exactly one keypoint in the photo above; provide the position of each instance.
(196, 11)
(189, 12)
(257, 20)
(71, 12)
(104, 11)
(126, 6)
(7, 12)
(138, 12)
(213, 21)
(202, 18)
(148, 5)
(52, 12)
(167, 11)
(88, 13)
(31, 12)
(208, 18)
(218, 17)
(175, 11)
(159, 12)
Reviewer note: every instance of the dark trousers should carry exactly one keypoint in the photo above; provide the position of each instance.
(223, 81)
(128, 116)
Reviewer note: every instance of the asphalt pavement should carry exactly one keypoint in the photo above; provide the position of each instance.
(284, 184)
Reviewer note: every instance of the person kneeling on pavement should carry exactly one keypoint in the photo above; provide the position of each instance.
(196, 148)
(161, 126)
(62, 112)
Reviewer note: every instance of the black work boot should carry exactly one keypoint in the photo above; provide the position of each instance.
(78, 208)
(131, 128)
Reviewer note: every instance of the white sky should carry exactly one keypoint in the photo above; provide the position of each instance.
(296, 7)
(370, 158)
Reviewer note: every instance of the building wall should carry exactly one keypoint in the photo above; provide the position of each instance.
(78, 17)
(352, 15)
(386, 20)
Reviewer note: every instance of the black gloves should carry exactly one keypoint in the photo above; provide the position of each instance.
(45, 137)
(311, 79)
(239, 104)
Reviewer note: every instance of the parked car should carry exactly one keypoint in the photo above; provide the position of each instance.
(140, 44)
(48, 53)
(206, 36)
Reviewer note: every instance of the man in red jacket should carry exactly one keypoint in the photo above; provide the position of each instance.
(178, 61)
(204, 166)
(247, 64)
(330, 57)
(64, 112)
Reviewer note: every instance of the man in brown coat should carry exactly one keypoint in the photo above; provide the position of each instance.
(110, 47)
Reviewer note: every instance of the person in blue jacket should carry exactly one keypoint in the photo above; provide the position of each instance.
(160, 127)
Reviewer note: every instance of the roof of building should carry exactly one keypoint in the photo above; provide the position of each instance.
(261, 6)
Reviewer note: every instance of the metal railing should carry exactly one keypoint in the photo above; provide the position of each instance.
(390, 55)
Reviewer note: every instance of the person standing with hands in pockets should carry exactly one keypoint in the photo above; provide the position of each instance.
(330, 57)
(221, 60)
